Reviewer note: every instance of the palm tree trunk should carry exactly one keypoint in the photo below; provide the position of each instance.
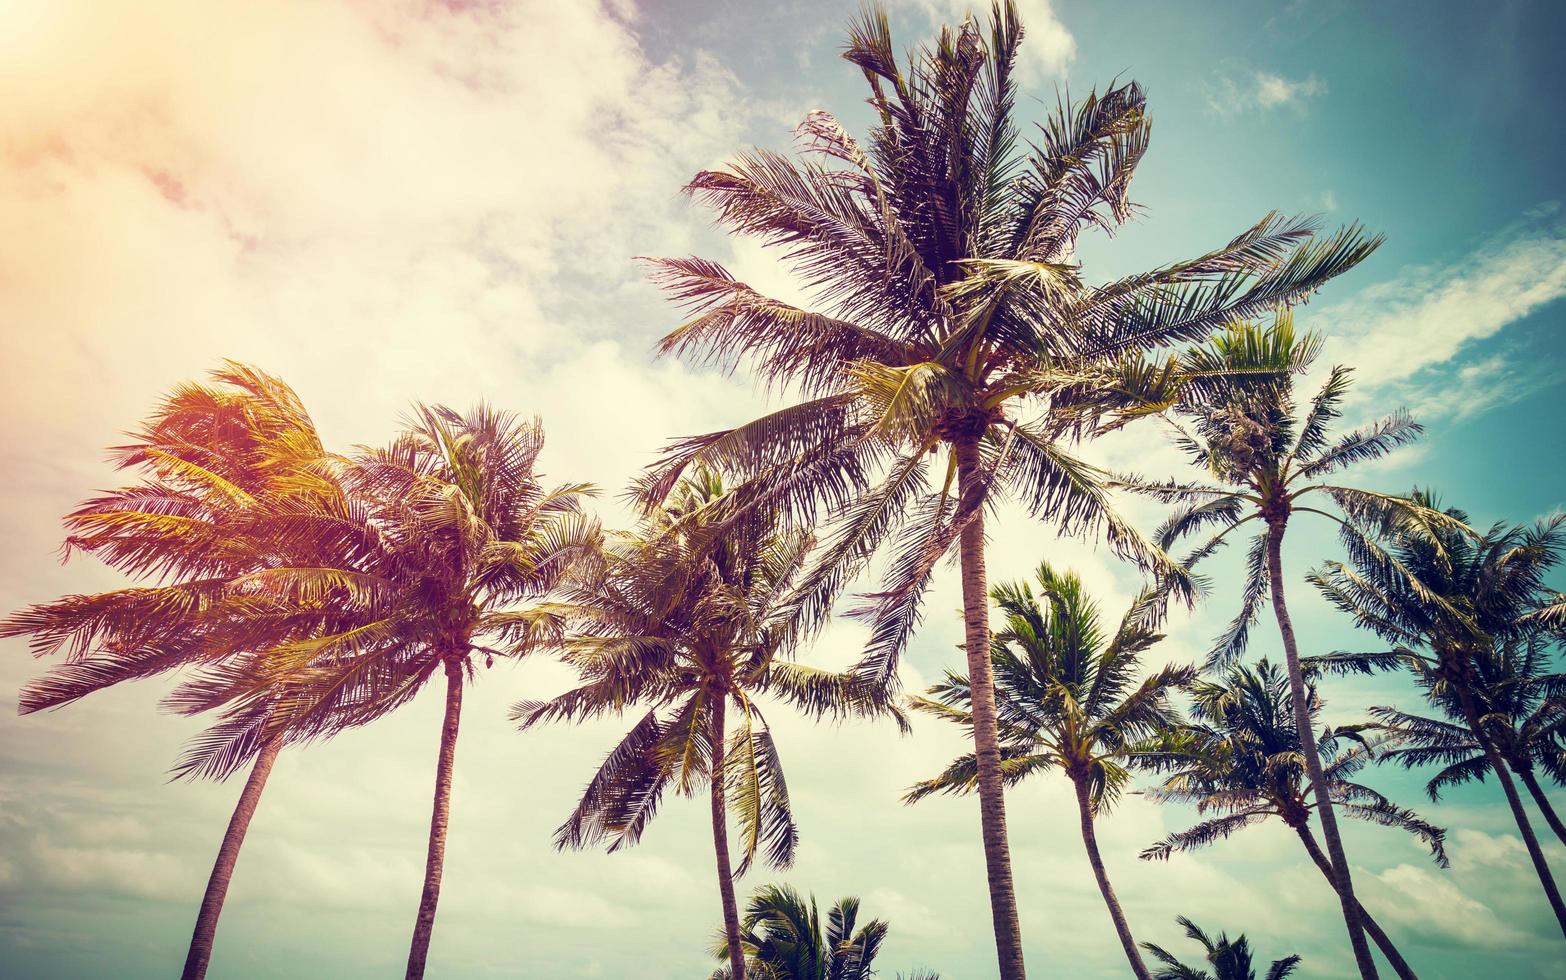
(1543, 802)
(986, 741)
(228, 855)
(1503, 776)
(1377, 934)
(1342, 882)
(435, 860)
(1090, 840)
(720, 844)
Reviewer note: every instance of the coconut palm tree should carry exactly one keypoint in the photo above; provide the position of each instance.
(688, 634)
(952, 329)
(1241, 758)
(1271, 462)
(784, 939)
(1230, 960)
(214, 462)
(450, 552)
(1523, 714)
(1452, 605)
(1068, 698)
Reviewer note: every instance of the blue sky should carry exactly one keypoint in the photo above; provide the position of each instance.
(383, 202)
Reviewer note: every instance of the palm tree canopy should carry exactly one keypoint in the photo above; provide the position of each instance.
(1229, 959)
(784, 939)
(1068, 695)
(1267, 457)
(1484, 627)
(950, 312)
(215, 462)
(676, 623)
(426, 556)
(1241, 759)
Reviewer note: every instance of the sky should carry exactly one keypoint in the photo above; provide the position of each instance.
(385, 201)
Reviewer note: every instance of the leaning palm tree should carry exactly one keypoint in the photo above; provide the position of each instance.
(1465, 603)
(1230, 959)
(784, 939)
(1270, 462)
(1067, 697)
(688, 634)
(1523, 714)
(450, 553)
(951, 319)
(1241, 758)
(215, 462)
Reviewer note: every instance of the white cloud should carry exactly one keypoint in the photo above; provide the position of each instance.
(1408, 337)
(1048, 46)
(1261, 91)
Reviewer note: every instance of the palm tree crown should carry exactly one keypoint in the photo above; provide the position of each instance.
(784, 939)
(1229, 959)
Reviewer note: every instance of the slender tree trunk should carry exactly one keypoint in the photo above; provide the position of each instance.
(720, 845)
(1504, 777)
(1543, 802)
(435, 861)
(1090, 839)
(986, 741)
(1342, 882)
(228, 855)
(1377, 934)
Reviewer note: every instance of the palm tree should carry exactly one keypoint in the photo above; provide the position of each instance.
(215, 460)
(1272, 462)
(951, 314)
(1452, 605)
(688, 634)
(1242, 758)
(1068, 698)
(1523, 714)
(1230, 960)
(784, 939)
(451, 533)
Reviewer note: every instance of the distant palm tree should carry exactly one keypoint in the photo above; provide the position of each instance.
(954, 336)
(784, 939)
(1451, 605)
(1068, 698)
(450, 552)
(215, 461)
(1241, 758)
(1230, 960)
(1271, 462)
(688, 634)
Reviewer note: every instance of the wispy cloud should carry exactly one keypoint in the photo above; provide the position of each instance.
(1409, 338)
(1261, 91)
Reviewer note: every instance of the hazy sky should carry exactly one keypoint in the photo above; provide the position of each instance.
(384, 201)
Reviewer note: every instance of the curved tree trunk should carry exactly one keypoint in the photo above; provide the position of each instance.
(1504, 777)
(720, 844)
(228, 855)
(435, 860)
(1377, 934)
(1342, 882)
(1543, 802)
(986, 741)
(1090, 840)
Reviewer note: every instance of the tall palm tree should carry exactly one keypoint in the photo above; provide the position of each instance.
(1242, 758)
(449, 553)
(1230, 959)
(1271, 462)
(1067, 697)
(214, 462)
(689, 634)
(1451, 604)
(784, 939)
(950, 314)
